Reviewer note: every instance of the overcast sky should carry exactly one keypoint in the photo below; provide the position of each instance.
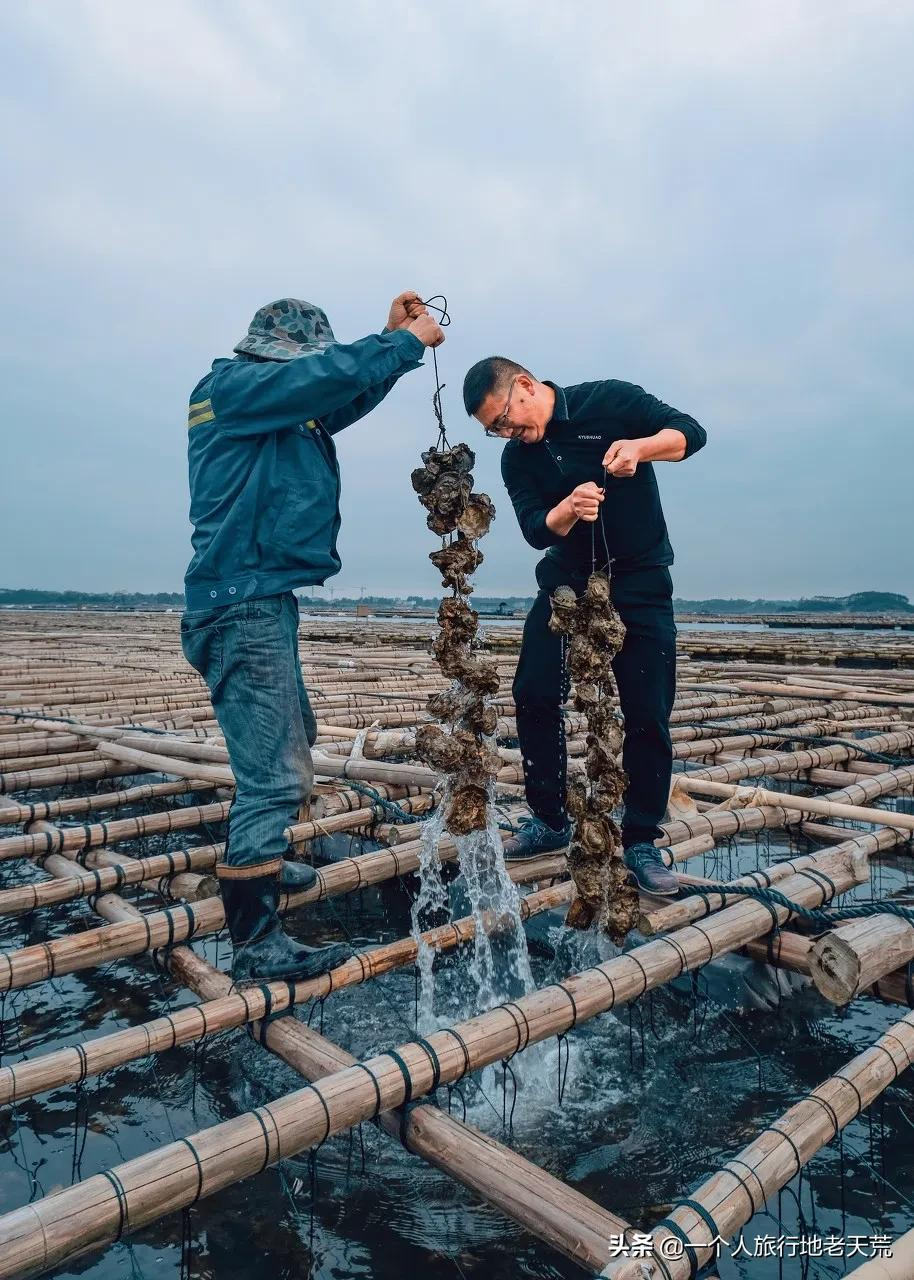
(713, 200)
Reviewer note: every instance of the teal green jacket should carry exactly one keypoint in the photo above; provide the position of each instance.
(264, 479)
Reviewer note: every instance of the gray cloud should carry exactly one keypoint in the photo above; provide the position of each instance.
(710, 199)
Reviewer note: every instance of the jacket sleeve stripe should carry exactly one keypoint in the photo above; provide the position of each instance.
(200, 412)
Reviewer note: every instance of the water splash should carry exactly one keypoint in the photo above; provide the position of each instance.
(497, 964)
(430, 907)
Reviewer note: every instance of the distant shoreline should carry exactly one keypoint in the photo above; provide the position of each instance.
(824, 621)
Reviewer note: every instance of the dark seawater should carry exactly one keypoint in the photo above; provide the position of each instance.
(655, 1100)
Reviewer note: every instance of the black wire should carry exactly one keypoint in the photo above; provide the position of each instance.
(438, 302)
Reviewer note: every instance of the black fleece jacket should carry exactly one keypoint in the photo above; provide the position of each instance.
(586, 420)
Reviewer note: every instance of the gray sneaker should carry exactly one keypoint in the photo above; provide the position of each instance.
(653, 876)
(533, 838)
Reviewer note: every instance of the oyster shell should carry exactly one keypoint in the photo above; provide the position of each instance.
(477, 515)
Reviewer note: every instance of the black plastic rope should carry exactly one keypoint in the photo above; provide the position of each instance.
(388, 806)
(193, 1151)
(821, 917)
(123, 1207)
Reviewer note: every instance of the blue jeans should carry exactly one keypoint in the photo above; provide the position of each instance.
(248, 655)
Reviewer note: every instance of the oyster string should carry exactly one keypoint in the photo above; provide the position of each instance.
(438, 302)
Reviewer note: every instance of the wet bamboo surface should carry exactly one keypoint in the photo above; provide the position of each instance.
(810, 735)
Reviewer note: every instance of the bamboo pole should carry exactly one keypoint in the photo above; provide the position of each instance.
(14, 814)
(94, 1212)
(856, 955)
(234, 1008)
(900, 1266)
(39, 842)
(680, 913)
(51, 892)
(93, 947)
(67, 775)
(28, 965)
(105, 877)
(818, 757)
(803, 804)
(43, 838)
(23, 764)
(543, 1204)
(844, 692)
(324, 766)
(731, 1197)
(790, 950)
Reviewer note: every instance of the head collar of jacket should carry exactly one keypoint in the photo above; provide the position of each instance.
(286, 330)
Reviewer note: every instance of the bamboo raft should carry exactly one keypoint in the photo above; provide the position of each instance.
(109, 751)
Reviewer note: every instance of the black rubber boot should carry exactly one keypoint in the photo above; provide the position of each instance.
(262, 950)
(296, 876)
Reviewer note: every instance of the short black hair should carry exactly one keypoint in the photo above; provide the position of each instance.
(492, 374)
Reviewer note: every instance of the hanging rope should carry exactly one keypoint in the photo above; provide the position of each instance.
(438, 302)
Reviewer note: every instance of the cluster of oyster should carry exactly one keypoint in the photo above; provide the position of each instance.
(444, 484)
(445, 487)
(603, 891)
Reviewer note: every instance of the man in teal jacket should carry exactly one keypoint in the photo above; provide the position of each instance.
(264, 503)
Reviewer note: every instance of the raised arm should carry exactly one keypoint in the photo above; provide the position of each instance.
(258, 399)
(421, 326)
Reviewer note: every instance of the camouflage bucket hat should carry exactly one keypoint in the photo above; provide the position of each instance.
(287, 329)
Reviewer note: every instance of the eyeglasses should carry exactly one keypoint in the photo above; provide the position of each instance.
(501, 422)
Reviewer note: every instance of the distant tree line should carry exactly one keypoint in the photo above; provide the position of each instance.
(97, 599)
(859, 602)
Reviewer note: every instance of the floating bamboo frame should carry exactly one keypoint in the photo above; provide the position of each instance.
(747, 710)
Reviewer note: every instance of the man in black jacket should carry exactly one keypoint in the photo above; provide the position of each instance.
(578, 468)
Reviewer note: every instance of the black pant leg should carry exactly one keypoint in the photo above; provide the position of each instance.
(645, 670)
(540, 689)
